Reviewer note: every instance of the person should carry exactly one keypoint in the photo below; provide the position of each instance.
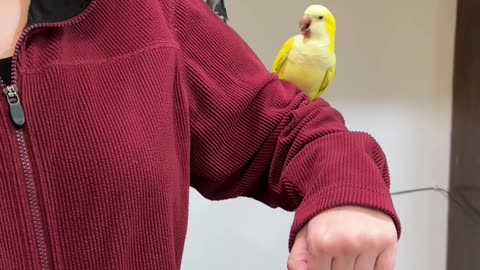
(114, 109)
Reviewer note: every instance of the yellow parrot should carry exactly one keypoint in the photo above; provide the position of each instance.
(308, 59)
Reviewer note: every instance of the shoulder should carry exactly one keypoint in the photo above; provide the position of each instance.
(133, 18)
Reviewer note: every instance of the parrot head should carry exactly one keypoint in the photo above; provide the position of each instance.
(318, 21)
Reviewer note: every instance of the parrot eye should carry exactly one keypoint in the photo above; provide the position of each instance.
(320, 18)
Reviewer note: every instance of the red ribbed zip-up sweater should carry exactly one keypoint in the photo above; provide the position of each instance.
(127, 105)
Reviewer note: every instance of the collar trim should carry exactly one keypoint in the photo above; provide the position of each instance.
(54, 11)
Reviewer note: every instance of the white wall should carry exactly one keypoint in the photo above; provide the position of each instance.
(393, 80)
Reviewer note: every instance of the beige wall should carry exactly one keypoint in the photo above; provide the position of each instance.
(394, 65)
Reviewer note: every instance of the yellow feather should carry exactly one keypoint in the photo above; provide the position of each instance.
(282, 55)
(310, 62)
(327, 81)
(310, 68)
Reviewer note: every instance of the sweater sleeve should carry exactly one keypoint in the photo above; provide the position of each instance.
(256, 136)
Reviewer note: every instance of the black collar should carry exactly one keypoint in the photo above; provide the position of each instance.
(51, 11)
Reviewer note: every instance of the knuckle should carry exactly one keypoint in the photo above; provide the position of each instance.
(348, 245)
(336, 244)
(321, 244)
(378, 241)
(291, 264)
(342, 243)
(370, 241)
(390, 240)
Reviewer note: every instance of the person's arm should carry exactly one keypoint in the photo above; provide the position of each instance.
(256, 136)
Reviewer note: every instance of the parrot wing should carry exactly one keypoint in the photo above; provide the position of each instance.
(282, 55)
(327, 79)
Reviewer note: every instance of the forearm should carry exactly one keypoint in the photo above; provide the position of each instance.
(254, 135)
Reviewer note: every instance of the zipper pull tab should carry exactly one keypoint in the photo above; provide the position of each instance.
(16, 110)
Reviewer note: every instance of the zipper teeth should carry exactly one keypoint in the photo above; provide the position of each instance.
(33, 202)
(27, 169)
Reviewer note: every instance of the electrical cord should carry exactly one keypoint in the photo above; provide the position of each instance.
(418, 190)
(461, 202)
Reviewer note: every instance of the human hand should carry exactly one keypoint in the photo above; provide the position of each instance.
(346, 238)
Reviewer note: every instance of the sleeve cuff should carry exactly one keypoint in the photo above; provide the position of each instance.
(337, 196)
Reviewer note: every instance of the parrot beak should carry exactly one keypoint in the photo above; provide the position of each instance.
(304, 25)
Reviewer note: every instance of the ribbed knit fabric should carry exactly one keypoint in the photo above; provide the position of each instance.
(137, 101)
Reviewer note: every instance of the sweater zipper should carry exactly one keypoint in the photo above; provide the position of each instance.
(16, 110)
(17, 115)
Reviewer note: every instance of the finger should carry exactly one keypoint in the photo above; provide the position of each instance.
(297, 260)
(343, 263)
(366, 262)
(319, 261)
(318, 256)
(297, 265)
(386, 260)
